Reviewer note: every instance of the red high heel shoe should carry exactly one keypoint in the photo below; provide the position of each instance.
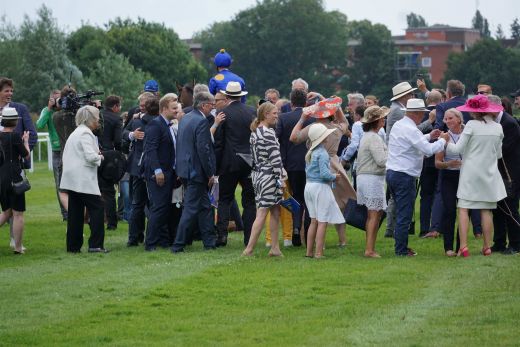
(463, 252)
(486, 251)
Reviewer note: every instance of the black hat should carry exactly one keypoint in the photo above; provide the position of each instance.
(515, 94)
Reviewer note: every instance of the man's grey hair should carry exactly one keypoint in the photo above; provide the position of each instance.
(358, 97)
(434, 97)
(302, 81)
(270, 91)
(199, 88)
(494, 99)
(202, 98)
(87, 115)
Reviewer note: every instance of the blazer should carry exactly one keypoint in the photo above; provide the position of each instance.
(480, 146)
(232, 137)
(293, 155)
(441, 108)
(195, 155)
(136, 147)
(159, 148)
(81, 159)
(25, 123)
(510, 149)
(112, 131)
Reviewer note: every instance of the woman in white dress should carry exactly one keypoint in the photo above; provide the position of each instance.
(371, 169)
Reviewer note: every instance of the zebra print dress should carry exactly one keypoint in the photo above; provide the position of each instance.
(267, 167)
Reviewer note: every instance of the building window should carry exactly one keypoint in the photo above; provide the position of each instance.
(426, 62)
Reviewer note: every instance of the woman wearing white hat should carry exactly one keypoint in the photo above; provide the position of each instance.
(14, 148)
(319, 198)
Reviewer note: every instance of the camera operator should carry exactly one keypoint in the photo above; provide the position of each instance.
(110, 140)
(45, 120)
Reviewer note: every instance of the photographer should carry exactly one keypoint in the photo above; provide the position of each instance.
(45, 120)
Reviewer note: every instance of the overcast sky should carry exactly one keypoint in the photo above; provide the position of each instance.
(189, 16)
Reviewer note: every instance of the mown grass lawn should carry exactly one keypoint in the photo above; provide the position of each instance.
(129, 297)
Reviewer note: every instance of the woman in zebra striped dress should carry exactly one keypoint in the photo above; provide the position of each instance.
(267, 175)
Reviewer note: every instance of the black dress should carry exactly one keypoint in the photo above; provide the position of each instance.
(12, 150)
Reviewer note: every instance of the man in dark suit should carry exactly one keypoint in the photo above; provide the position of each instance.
(233, 155)
(293, 158)
(134, 132)
(504, 225)
(110, 139)
(159, 172)
(455, 93)
(195, 165)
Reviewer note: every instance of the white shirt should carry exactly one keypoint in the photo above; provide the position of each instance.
(407, 147)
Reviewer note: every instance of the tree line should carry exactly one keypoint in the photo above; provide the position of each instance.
(271, 43)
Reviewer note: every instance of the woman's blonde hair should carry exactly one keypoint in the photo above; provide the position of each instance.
(264, 109)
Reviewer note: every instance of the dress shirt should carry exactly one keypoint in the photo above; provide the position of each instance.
(407, 147)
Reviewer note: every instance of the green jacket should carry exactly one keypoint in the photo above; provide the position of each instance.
(46, 120)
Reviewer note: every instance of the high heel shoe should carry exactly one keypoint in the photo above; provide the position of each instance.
(486, 251)
(463, 252)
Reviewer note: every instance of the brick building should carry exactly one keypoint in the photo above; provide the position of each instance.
(428, 49)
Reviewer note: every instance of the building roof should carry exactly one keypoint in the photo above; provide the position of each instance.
(441, 27)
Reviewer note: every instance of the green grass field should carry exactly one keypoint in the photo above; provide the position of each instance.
(129, 297)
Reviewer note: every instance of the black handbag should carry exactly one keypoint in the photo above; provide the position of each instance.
(23, 185)
(356, 215)
(508, 182)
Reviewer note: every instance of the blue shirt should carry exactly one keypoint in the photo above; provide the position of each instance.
(318, 170)
(222, 78)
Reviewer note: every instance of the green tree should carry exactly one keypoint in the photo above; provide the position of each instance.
(113, 74)
(155, 49)
(371, 68)
(481, 24)
(86, 45)
(500, 33)
(415, 20)
(280, 40)
(515, 30)
(487, 61)
(37, 59)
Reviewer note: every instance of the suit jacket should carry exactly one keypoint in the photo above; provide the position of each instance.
(444, 106)
(25, 123)
(232, 137)
(511, 149)
(159, 148)
(112, 131)
(80, 162)
(136, 150)
(195, 155)
(293, 155)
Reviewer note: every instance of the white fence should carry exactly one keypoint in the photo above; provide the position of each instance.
(43, 138)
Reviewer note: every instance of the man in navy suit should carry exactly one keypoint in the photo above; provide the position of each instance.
(504, 225)
(159, 172)
(195, 166)
(134, 132)
(293, 158)
(455, 93)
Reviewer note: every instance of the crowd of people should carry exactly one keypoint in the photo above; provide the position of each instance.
(176, 161)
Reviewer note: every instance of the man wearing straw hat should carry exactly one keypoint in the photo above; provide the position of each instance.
(407, 147)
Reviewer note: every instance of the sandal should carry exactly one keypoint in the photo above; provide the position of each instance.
(463, 252)
(451, 253)
(486, 251)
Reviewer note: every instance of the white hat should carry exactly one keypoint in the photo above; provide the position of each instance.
(233, 89)
(9, 113)
(415, 105)
(317, 133)
(401, 89)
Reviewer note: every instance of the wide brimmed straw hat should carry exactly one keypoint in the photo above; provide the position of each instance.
(401, 89)
(416, 105)
(317, 133)
(480, 104)
(233, 89)
(372, 114)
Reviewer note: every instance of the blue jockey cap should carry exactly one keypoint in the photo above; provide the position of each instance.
(222, 59)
